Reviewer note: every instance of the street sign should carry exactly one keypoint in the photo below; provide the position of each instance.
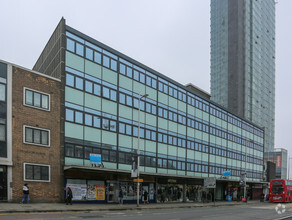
(210, 182)
(226, 173)
(138, 180)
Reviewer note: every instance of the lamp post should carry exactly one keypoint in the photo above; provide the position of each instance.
(138, 154)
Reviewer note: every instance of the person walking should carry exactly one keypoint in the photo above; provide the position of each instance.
(121, 196)
(145, 195)
(25, 190)
(69, 196)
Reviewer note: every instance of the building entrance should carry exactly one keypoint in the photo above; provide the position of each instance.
(112, 191)
(3, 183)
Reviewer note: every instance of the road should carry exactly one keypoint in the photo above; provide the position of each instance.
(243, 212)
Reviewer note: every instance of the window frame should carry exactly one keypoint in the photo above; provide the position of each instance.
(41, 93)
(40, 129)
(35, 164)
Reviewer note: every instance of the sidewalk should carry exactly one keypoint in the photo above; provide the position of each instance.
(85, 207)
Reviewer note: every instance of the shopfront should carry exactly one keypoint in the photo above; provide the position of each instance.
(102, 187)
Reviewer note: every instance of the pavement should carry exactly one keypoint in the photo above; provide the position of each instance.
(89, 207)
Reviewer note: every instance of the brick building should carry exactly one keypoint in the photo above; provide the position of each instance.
(30, 152)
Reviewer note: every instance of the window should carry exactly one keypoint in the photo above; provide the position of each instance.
(2, 92)
(2, 130)
(36, 172)
(79, 49)
(36, 99)
(69, 150)
(70, 45)
(36, 136)
(89, 54)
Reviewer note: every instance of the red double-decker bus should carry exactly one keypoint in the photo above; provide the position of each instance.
(281, 190)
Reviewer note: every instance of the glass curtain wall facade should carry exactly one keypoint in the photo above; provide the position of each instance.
(243, 60)
(181, 134)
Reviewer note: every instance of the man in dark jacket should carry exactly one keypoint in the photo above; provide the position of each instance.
(69, 196)
(25, 190)
(121, 196)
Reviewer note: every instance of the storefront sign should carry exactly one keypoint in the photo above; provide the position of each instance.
(257, 186)
(138, 180)
(226, 173)
(95, 159)
(171, 181)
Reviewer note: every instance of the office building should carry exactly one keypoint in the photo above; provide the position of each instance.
(29, 135)
(280, 157)
(243, 61)
(184, 137)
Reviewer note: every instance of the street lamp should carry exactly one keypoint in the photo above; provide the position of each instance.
(138, 155)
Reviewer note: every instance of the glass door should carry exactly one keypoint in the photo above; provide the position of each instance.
(112, 192)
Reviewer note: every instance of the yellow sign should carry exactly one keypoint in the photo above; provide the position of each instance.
(138, 180)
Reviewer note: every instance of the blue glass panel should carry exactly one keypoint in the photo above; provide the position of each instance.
(122, 98)
(92, 46)
(122, 69)
(96, 122)
(106, 61)
(135, 131)
(70, 45)
(154, 83)
(89, 53)
(75, 37)
(128, 129)
(136, 75)
(129, 72)
(113, 95)
(122, 128)
(88, 86)
(136, 103)
(113, 126)
(129, 100)
(114, 65)
(88, 120)
(142, 78)
(79, 117)
(97, 57)
(69, 80)
(106, 92)
(148, 81)
(97, 89)
(69, 115)
(80, 49)
(79, 83)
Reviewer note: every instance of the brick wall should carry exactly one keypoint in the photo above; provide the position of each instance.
(26, 153)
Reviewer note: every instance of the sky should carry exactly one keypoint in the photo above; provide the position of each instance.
(170, 36)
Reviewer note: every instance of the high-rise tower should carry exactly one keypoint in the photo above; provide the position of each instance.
(243, 60)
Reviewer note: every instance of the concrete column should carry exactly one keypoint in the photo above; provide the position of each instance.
(185, 192)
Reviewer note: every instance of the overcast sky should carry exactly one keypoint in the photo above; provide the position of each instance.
(170, 36)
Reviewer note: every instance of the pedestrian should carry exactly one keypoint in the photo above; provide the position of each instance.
(145, 197)
(25, 190)
(121, 196)
(69, 196)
